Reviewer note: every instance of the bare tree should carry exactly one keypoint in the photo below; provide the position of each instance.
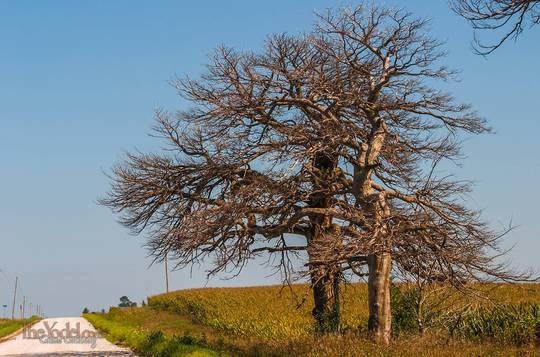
(320, 151)
(510, 16)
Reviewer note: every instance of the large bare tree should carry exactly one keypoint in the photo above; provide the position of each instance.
(321, 151)
(509, 16)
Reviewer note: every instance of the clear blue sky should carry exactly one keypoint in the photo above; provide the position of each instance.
(78, 84)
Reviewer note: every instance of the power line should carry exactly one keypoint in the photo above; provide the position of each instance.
(25, 305)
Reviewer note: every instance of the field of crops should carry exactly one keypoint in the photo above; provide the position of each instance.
(157, 333)
(271, 321)
(268, 312)
(276, 313)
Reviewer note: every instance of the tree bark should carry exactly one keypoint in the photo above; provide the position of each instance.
(420, 311)
(325, 280)
(324, 276)
(326, 297)
(380, 315)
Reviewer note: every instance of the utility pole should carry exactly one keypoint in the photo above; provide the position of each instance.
(23, 306)
(14, 298)
(166, 274)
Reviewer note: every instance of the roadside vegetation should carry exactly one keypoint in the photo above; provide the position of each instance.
(7, 327)
(502, 320)
(147, 332)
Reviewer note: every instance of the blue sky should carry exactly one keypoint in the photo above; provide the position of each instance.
(78, 85)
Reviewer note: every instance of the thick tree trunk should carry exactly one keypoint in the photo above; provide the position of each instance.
(326, 297)
(325, 285)
(324, 276)
(380, 315)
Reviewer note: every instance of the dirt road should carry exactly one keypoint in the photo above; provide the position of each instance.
(61, 337)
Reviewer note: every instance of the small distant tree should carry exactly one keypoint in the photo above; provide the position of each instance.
(510, 16)
(125, 302)
(143, 304)
(85, 311)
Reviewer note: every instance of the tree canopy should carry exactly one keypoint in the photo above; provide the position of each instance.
(126, 302)
(321, 151)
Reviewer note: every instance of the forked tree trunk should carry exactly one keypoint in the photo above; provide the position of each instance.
(326, 297)
(380, 315)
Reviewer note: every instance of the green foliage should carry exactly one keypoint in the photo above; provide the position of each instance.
(7, 327)
(85, 311)
(404, 309)
(125, 302)
(150, 342)
(154, 343)
(510, 323)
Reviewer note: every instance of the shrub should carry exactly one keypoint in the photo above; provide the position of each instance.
(404, 309)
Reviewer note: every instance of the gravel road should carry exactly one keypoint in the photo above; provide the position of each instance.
(61, 337)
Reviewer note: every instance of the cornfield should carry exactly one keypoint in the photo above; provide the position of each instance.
(517, 324)
(267, 312)
(280, 314)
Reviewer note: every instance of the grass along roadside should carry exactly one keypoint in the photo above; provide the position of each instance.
(8, 327)
(147, 333)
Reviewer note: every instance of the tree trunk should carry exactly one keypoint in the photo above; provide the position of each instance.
(325, 276)
(380, 315)
(326, 297)
(325, 285)
(420, 311)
